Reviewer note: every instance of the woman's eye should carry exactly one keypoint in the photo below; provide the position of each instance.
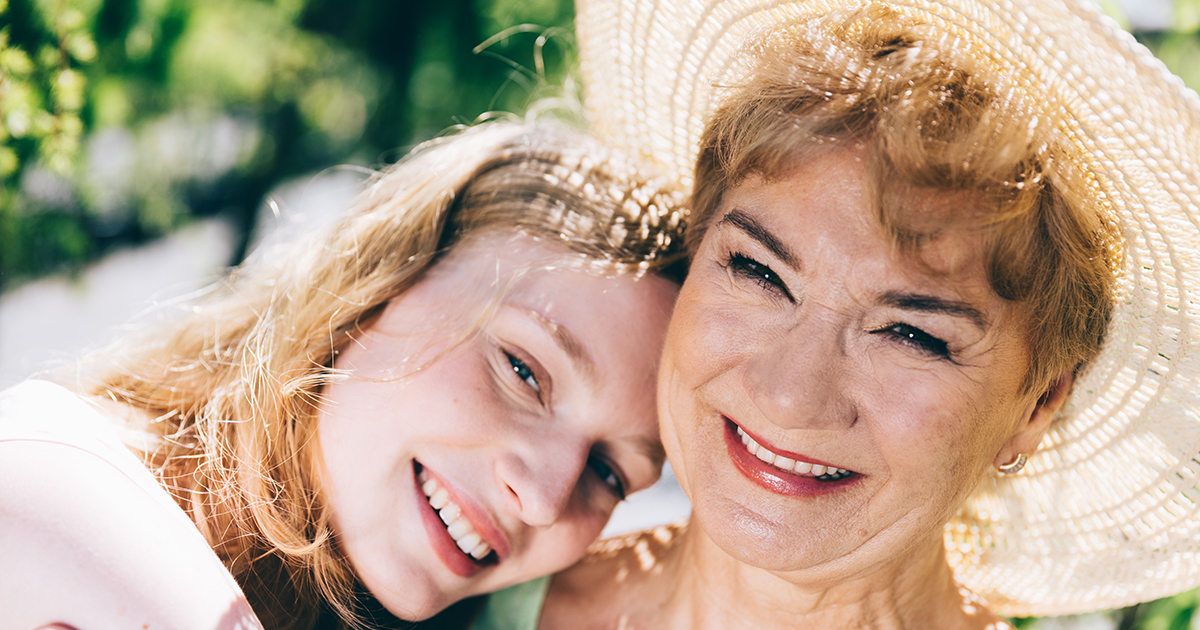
(524, 373)
(918, 339)
(764, 276)
(607, 475)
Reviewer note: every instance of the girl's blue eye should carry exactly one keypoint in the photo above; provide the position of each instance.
(607, 475)
(918, 339)
(524, 373)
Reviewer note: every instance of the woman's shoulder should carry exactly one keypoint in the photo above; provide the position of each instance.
(618, 576)
(87, 535)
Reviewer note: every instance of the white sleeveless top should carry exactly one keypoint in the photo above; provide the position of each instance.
(88, 537)
(40, 411)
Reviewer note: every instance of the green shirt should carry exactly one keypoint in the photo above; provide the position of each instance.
(514, 608)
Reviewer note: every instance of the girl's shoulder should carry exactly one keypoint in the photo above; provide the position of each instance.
(87, 535)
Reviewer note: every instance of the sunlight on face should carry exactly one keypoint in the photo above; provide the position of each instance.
(827, 401)
(457, 465)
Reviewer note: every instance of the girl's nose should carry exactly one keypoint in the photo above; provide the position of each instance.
(540, 475)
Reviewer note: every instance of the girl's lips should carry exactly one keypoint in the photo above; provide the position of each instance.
(775, 479)
(443, 544)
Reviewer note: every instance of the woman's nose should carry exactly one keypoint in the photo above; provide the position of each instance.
(798, 380)
(540, 476)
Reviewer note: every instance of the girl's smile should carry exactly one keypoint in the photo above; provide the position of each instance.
(489, 420)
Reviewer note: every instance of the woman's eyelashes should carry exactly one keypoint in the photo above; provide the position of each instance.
(608, 475)
(743, 266)
(916, 338)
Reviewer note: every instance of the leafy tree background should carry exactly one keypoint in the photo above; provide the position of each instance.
(121, 120)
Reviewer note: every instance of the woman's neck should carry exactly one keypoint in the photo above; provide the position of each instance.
(689, 582)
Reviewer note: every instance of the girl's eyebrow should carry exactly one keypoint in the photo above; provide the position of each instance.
(566, 341)
(650, 448)
(751, 227)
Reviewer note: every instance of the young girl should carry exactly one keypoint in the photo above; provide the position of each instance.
(444, 394)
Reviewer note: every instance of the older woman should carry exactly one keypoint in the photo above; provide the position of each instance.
(911, 224)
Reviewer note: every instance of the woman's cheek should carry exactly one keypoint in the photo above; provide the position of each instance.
(710, 335)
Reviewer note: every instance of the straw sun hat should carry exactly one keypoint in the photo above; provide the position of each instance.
(1107, 511)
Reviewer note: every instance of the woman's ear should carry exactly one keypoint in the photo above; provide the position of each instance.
(1036, 419)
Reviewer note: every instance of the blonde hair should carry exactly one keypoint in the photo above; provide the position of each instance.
(937, 121)
(233, 385)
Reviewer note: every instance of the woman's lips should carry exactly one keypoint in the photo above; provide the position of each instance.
(819, 478)
(461, 535)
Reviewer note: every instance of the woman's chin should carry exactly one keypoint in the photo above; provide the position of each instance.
(759, 540)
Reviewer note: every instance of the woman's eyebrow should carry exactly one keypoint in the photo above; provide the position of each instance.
(741, 220)
(934, 304)
(567, 342)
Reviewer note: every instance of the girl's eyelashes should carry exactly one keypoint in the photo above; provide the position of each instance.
(525, 373)
(746, 267)
(608, 475)
(916, 338)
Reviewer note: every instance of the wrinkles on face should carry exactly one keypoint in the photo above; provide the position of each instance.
(903, 368)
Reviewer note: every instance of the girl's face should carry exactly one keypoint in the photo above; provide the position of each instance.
(828, 402)
(459, 463)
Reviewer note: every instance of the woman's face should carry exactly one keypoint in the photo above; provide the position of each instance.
(522, 436)
(882, 385)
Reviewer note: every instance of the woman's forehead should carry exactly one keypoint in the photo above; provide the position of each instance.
(820, 221)
(943, 229)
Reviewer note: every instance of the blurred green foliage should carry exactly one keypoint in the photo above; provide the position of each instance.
(1172, 613)
(122, 119)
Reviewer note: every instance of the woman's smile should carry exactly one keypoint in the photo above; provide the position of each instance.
(783, 471)
(825, 389)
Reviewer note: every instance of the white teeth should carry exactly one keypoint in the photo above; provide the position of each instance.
(459, 528)
(468, 542)
(787, 463)
(450, 513)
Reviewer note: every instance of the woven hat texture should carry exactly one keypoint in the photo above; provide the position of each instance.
(1107, 511)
